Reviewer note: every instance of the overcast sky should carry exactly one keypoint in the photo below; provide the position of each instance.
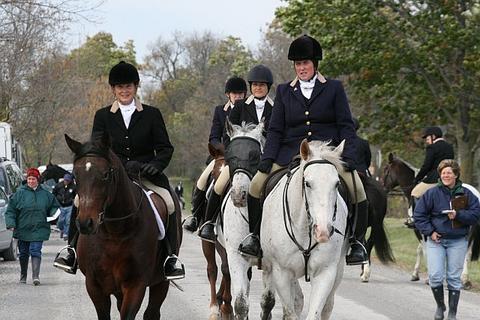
(143, 21)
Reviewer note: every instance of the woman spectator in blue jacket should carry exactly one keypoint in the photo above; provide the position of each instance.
(446, 230)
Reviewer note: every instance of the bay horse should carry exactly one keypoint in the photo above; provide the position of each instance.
(303, 234)
(398, 172)
(220, 301)
(118, 247)
(243, 157)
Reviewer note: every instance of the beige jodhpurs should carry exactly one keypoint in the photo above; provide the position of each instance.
(222, 181)
(259, 179)
(421, 188)
(202, 181)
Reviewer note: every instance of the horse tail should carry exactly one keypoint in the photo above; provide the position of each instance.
(377, 211)
(474, 242)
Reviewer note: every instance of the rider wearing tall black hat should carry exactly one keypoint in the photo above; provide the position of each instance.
(235, 89)
(257, 107)
(427, 177)
(139, 138)
(310, 107)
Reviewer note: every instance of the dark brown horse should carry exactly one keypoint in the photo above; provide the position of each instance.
(220, 301)
(399, 173)
(118, 248)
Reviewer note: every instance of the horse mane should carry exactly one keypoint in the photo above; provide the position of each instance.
(246, 129)
(408, 164)
(322, 150)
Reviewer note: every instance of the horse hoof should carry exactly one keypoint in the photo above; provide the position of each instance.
(364, 279)
(467, 285)
(214, 317)
(414, 278)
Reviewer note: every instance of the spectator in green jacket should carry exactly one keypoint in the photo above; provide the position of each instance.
(26, 215)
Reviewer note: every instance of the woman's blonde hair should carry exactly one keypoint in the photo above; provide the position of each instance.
(449, 163)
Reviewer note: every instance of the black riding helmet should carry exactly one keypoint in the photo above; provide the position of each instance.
(260, 73)
(305, 48)
(123, 73)
(429, 131)
(235, 84)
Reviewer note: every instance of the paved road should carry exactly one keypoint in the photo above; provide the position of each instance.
(389, 295)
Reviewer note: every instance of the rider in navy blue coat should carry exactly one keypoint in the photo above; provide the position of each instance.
(314, 108)
(251, 110)
(235, 89)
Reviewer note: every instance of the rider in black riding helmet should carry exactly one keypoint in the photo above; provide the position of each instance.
(310, 107)
(256, 107)
(143, 151)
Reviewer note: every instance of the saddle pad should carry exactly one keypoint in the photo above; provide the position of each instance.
(272, 181)
(161, 227)
(163, 193)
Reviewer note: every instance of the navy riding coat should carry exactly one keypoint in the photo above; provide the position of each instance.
(218, 123)
(325, 116)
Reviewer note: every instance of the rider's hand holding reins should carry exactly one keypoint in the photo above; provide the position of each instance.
(149, 169)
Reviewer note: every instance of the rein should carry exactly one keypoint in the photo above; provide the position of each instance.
(287, 218)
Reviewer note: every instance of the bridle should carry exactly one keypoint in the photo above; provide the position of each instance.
(110, 177)
(287, 218)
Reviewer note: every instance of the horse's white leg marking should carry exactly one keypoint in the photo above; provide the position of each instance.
(418, 261)
(467, 285)
(365, 277)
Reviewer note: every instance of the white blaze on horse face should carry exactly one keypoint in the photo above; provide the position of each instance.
(88, 165)
(321, 196)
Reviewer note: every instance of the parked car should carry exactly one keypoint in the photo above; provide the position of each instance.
(8, 245)
(11, 176)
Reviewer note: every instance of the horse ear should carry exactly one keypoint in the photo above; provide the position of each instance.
(390, 157)
(75, 146)
(339, 149)
(228, 127)
(305, 150)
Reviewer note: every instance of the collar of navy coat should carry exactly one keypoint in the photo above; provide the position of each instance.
(118, 115)
(252, 109)
(297, 92)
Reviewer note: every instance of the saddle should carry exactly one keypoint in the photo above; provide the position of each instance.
(274, 178)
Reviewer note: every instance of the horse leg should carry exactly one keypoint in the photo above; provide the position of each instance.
(268, 296)
(283, 283)
(100, 300)
(328, 308)
(240, 284)
(322, 288)
(467, 284)
(298, 298)
(157, 295)
(119, 298)
(226, 307)
(208, 249)
(418, 261)
(365, 276)
(132, 300)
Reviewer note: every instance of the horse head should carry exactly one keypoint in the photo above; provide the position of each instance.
(320, 164)
(217, 151)
(242, 157)
(52, 171)
(397, 173)
(98, 172)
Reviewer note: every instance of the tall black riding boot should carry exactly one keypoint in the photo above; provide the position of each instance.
(198, 208)
(69, 263)
(23, 269)
(438, 295)
(207, 231)
(358, 254)
(173, 268)
(250, 246)
(453, 298)
(36, 270)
